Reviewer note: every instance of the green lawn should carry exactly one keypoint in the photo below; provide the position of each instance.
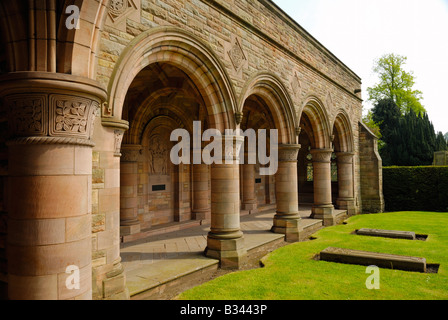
(290, 272)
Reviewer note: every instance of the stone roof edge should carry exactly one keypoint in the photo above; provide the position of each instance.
(269, 4)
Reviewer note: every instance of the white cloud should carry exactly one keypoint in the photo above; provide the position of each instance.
(358, 32)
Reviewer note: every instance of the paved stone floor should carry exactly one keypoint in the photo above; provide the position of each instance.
(161, 258)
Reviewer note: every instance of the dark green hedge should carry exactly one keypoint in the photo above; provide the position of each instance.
(416, 188)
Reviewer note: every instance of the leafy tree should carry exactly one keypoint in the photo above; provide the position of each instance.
(396, 84)
(446, 137)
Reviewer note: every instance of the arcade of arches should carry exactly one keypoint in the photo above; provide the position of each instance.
(87, 115)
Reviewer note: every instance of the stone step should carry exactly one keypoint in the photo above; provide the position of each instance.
(407, 235)
(382, 260)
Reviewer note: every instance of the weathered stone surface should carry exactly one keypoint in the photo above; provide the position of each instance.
(387, 233)
(382, 260)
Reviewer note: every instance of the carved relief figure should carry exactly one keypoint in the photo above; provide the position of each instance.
(158, 157)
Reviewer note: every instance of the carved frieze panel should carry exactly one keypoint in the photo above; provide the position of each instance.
(27, 114)
(71, 116)
(51, 115)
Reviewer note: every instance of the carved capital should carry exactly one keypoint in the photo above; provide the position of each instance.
(51, 107)
(345, 157)
(322, 155)
(131, 152)
(288, 152)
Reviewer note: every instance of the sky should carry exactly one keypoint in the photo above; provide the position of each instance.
(358, 32)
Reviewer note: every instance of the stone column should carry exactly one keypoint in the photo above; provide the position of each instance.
(201, 192)
(323, 207)
(346, 197)
(287, 218)
(50, 118)
(249, 195)
(129, 223)
(225, 240)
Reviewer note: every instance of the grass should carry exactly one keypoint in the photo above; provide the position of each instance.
(290, 273)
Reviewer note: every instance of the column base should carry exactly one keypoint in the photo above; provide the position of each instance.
(231, 253)
(325, 213)
(289, 226)
(251, 207)
(347, 204)
(129, 228)
(200, 215)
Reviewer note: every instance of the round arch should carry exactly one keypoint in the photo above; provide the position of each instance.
(270, 88)
(183, 50)
(344, 141)
(314, 115)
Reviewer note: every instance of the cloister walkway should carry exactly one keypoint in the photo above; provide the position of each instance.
(159, 262)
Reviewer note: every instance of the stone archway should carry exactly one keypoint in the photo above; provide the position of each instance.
(315, 160)
(266, 104)
(344, 162)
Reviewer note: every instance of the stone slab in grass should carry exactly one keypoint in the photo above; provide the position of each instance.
(382, 260)
(407, 235)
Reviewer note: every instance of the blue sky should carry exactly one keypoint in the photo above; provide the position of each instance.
(360, 31)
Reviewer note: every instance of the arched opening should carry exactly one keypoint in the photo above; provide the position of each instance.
(155, 193)
(343, 165)
(315, 162)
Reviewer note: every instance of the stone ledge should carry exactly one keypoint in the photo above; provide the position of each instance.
(381, 260)
(407, 235)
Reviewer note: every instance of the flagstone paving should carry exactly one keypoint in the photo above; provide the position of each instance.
(162, 258)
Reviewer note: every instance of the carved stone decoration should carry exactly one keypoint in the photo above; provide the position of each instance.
(238, 118)
(71, 116)
(296, 85)
(158, 157)
(27, 114)
(118, 134)
(322, 155)
(236, 55)
(119, 9)
(130, 153)
(345, 157)
(329, 101)
(288, 152)
(232, 147)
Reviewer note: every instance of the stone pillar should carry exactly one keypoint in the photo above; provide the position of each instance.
(129, 223)
(109, 280)
(249, 195)
(201, 192)
(225, 240)
(50, 118)
(287, 218)
(323, 207)
(346, 197)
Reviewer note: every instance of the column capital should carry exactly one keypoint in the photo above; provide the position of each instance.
(231, 152)
(51, 108)
(131, 152)
(321, 155)
(345, 157)
(288, 152)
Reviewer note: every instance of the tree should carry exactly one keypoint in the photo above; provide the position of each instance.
(386, 115)
(441, 143)
(396, 84)
(446, 137)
